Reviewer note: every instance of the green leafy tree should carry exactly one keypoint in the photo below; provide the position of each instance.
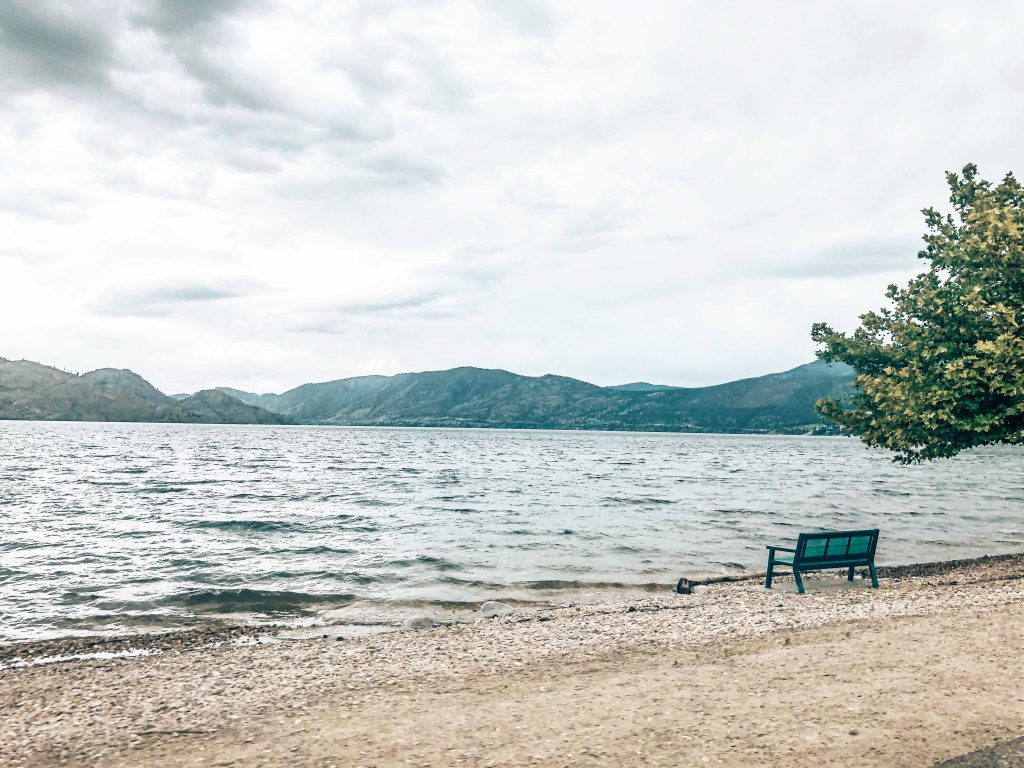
(941, 370)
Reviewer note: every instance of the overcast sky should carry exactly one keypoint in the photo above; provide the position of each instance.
(266, 193)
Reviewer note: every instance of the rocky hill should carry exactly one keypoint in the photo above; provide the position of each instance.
(32, 391)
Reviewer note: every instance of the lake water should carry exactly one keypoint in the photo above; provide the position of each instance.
(134, 527)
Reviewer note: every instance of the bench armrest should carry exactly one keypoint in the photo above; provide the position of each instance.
(782, 549)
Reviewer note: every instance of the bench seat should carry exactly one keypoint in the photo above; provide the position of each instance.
(823, 550)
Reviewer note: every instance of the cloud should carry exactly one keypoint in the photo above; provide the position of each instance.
(345, 317)
(524, 16)
(193, 31)
(856, 256)
(161, 300)
(178, 18)
(46, 43)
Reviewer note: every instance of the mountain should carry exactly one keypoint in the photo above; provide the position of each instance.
(249, 398)
(32, 391)
(211, 406)
(460, 397)
(641, 386)
(477, 397)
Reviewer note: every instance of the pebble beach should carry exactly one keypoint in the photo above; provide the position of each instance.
(923, 670)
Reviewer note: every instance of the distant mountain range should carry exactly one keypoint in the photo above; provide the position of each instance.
(460, 397)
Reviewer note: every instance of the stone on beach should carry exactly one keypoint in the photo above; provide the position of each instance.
(493, 608)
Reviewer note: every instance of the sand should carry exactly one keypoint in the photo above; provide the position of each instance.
(925, 669)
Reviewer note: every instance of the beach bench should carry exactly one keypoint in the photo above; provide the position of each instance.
(828, 549)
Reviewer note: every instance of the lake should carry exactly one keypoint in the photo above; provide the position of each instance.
(138, 527)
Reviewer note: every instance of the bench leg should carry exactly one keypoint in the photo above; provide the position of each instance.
(768, 574)
(849, 574)
(874, 575)
(799, 581)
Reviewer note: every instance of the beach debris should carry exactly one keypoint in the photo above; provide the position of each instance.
(493, 608)
(687, 586)
(418, 622)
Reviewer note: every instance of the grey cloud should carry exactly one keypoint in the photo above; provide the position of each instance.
(225, 87)
(380, 172)
(414, 301)
(441, 89)
(342, 318)
(46, 204)
(478, 266)
(458, 289)
(674, 239)
(403, 65)
(45, 44)
(588, 231)
(245, 106)
(371, 77)
(398, 168)
(863, 256)
(196, 33)
(178, 17)
(191, 30)
(161, 300)
(525, 16)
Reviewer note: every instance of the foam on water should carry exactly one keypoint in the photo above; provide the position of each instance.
(129, 527)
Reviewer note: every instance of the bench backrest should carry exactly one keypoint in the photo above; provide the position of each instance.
(851, 547)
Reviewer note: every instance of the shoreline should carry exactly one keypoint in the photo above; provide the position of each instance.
(211, 633)
(922, 670)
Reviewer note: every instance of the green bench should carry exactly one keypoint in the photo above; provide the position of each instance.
(821, 551)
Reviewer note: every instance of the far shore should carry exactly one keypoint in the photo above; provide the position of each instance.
(923, 670)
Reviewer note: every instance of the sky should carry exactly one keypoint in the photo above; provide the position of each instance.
(262, 193)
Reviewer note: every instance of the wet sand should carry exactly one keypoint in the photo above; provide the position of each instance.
(925, 669)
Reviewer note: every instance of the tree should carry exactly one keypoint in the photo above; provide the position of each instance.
(942, 369)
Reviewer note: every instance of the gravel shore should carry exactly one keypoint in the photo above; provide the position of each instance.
(922, 670)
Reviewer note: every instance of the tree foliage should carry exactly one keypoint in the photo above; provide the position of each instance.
(941, 370)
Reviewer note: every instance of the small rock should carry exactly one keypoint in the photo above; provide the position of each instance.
(493, 608)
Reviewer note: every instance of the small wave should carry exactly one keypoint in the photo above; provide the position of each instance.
(634, 501)
(258, 600)
(475, 583)
(438, 562)
(562, 584)
(77, 598)
(319, 549)
(260, 526)
(730, 565)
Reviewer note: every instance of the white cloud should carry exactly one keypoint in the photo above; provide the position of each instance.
(261, 193)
